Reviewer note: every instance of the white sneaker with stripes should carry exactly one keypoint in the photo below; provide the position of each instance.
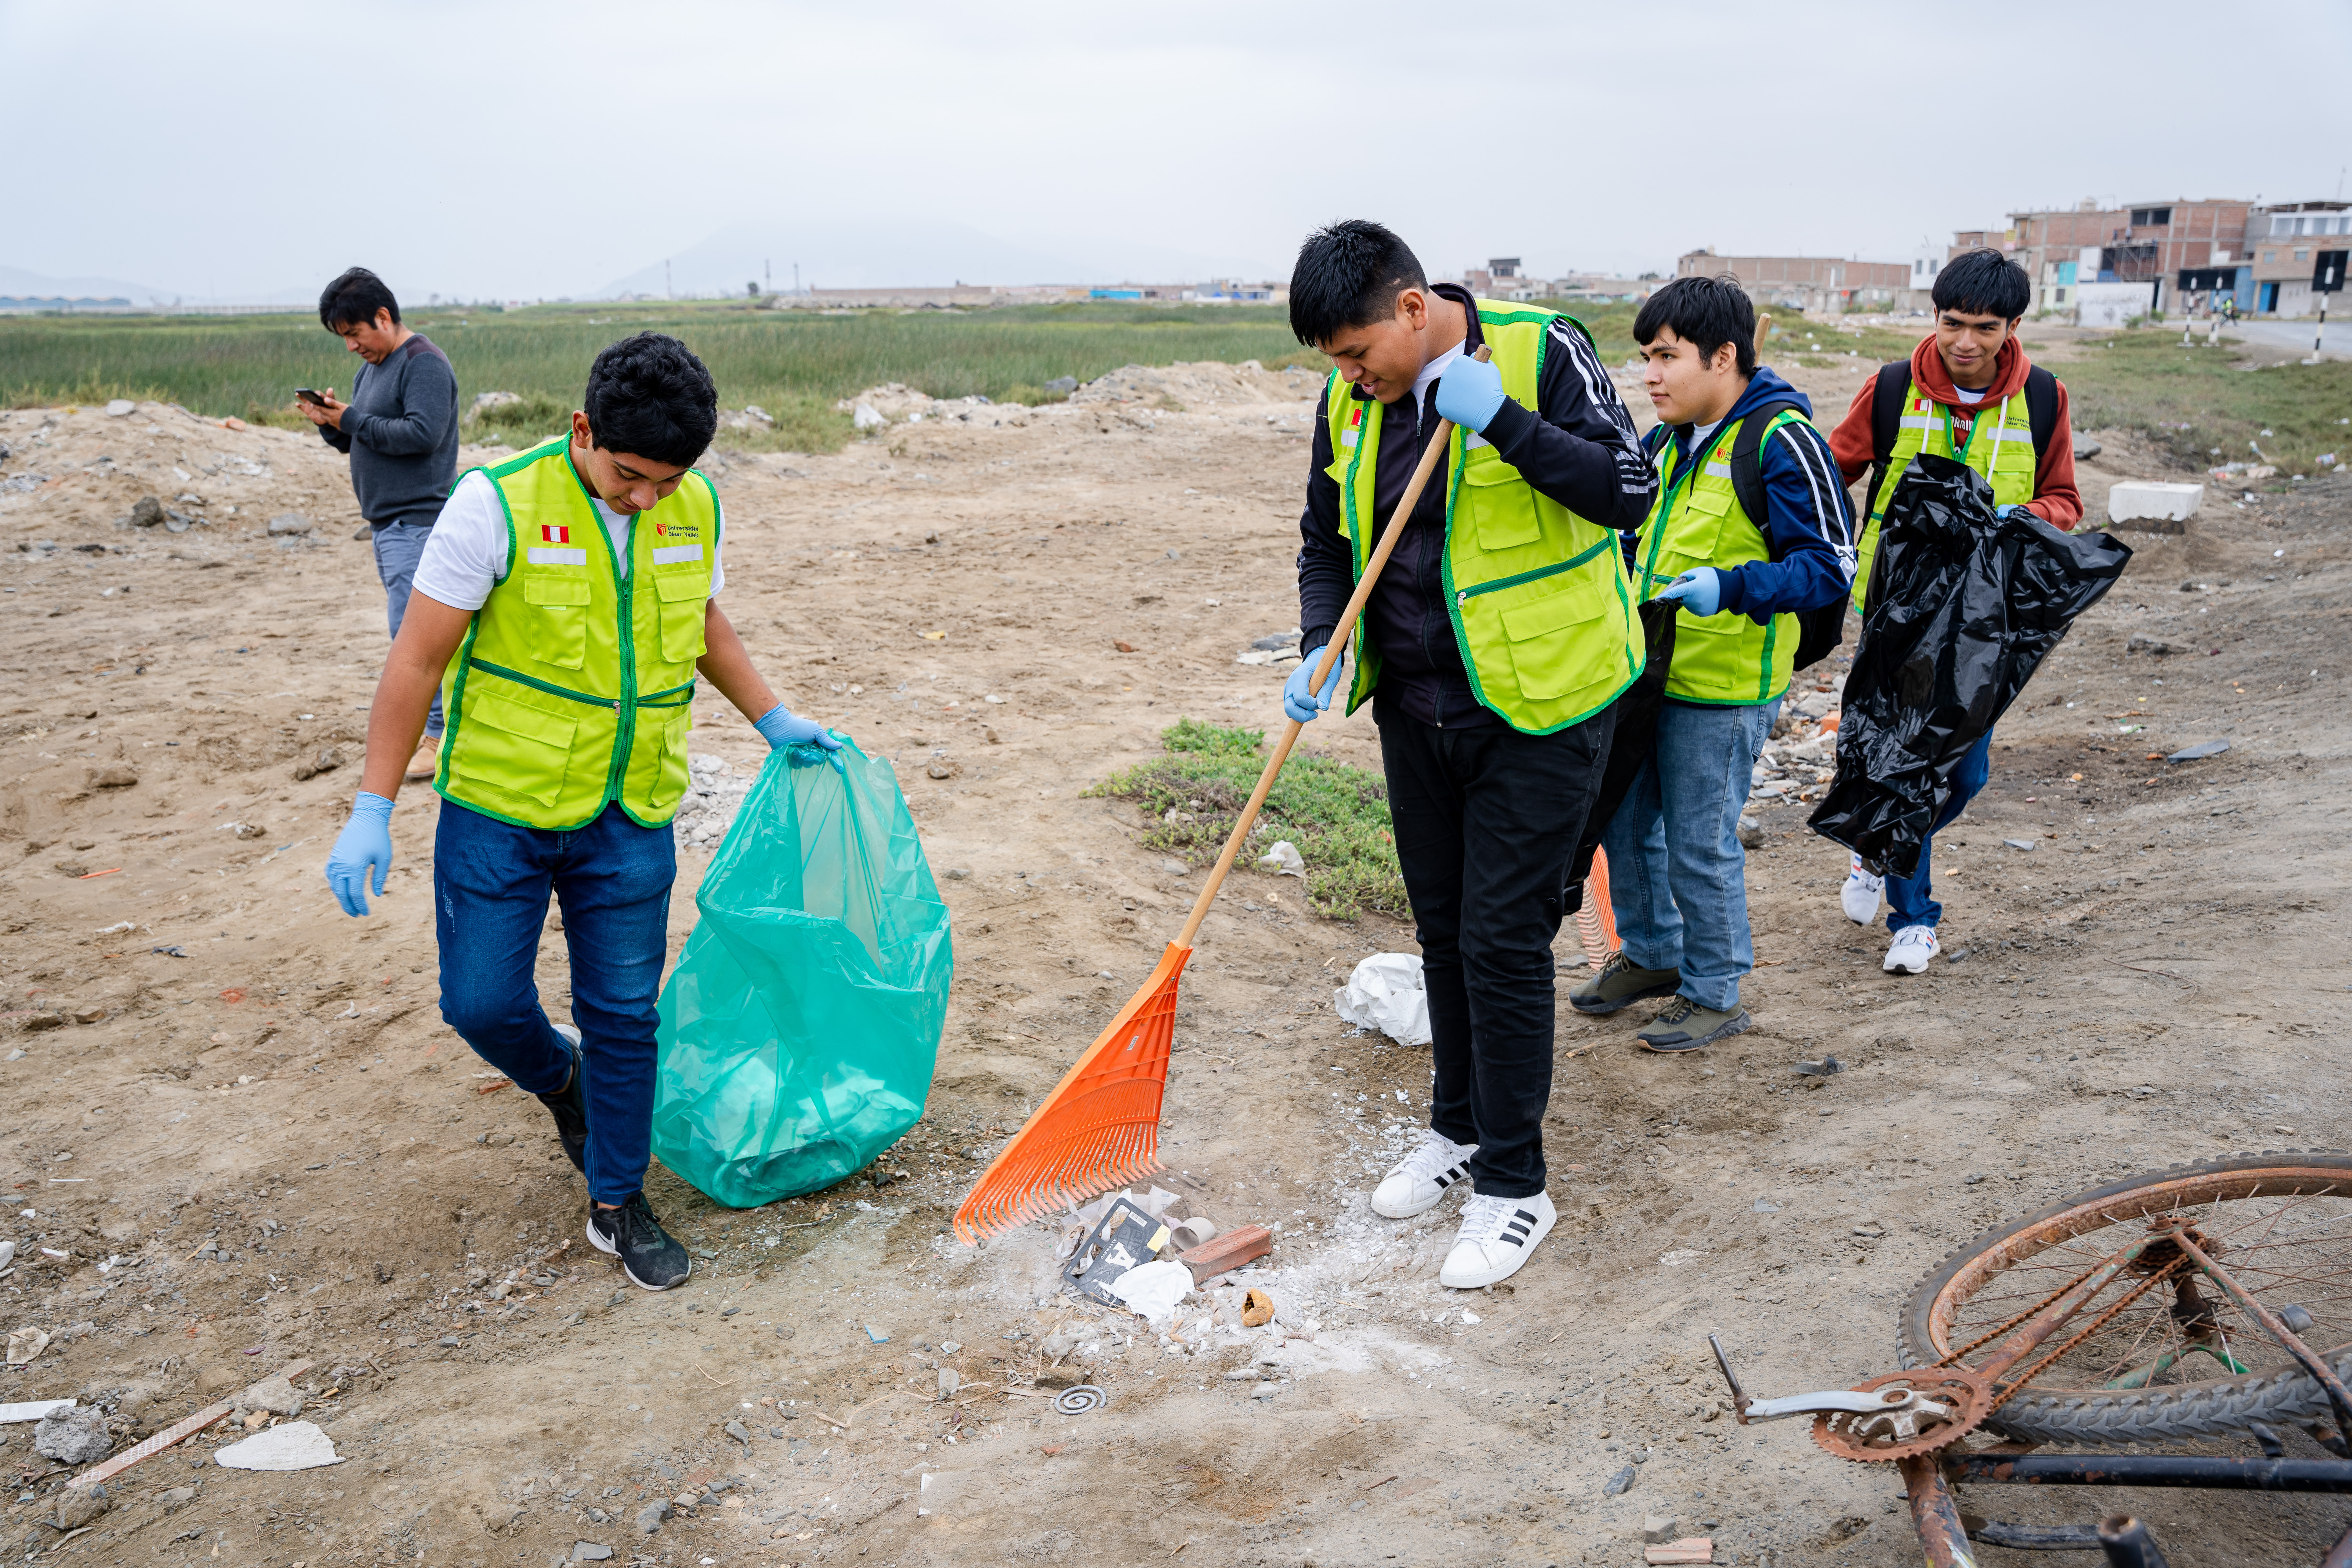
(1859, 897)
(1416, 1184)
(1498, 1235)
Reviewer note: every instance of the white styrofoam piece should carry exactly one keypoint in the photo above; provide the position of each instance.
(291, 1445)
(34, 1409)
(2133, 498)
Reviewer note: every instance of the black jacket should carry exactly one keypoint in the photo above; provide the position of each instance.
(1577, 447)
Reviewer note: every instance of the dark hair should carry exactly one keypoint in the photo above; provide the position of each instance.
(1705, 313)
(1983, 283)
(353, 299)
(650, 396)
(1348, 275)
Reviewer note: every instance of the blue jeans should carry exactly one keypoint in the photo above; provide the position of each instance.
(1907, 903)
(611, 879)
(398, 547)
(1677, 875)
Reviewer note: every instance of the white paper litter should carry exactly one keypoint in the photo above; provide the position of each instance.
(1154, 1289)
(1283, 859)
(291, 1445)
(1385, 993)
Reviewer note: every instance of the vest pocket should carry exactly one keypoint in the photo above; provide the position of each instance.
(506, 746)
(1502, 505)
(1547, 638)
(558, 623)
(683, 596)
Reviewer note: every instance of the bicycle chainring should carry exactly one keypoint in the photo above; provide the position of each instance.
(1952, 1401)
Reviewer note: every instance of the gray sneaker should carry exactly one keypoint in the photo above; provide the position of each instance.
(1620, 982)
(1682, 1024)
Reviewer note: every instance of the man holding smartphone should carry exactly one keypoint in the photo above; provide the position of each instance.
(400, 429)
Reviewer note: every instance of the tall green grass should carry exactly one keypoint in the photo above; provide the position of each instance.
(794, 364)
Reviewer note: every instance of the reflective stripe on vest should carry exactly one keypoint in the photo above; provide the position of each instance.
(576, 683)
(1697, 521)
(1542, 610)
(2000, 446)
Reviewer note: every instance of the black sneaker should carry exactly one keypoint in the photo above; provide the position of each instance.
(568, 1105)
(630, 1233)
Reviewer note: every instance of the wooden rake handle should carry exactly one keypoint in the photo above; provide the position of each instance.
(1336, 649)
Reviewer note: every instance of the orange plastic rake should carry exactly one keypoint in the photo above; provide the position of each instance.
(1100, 1127)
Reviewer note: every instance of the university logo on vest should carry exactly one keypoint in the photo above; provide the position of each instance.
(677, 530)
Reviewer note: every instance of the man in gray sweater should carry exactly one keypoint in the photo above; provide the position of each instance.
(401, 430)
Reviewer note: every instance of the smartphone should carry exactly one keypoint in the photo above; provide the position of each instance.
(312, 395)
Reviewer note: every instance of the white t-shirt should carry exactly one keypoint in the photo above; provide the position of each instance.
(466, 554)
(1965, 396)
(1428, 376)
(1699, 434)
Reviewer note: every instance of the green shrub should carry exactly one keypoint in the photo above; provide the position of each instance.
(1336, 813)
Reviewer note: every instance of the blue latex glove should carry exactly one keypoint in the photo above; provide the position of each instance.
(1299, 699)
(366, 841)
(1470, 392)
(1700, 589)
(781, 727)
(2011, 512)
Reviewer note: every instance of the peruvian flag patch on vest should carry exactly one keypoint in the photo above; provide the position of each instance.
(553, 533)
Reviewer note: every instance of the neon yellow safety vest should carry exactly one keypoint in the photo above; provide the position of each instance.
(2000, 447)
(575, 683)
(1541, 609)
(1697, 521)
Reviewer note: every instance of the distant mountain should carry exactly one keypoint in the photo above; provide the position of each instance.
(882, 255)
(17, 282)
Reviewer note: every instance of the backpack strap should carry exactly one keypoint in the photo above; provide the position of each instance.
(2041, 409)
(1886, 401)
(1747, 464)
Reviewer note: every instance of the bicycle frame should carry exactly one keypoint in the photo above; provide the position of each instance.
(2179, 1254)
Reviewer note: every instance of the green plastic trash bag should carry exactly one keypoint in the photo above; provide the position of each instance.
(801, 1026)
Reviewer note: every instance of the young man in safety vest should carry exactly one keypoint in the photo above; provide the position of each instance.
(1677, 874)
(1492, 648)
(563, 607)
(1969, 393)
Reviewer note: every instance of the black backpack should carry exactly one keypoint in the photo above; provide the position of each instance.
(1820, 631)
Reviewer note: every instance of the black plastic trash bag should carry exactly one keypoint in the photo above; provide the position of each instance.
(1963, 608)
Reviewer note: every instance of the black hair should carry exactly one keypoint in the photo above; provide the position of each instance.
(1348, 275)
(353, 299)
(1705, 313)
(1983, 283)
(650, 396)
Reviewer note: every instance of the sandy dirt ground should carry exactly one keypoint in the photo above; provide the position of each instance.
(240, 1135)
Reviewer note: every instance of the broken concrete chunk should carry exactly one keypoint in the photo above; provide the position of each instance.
(650, 1516)
(289, 523)
(276, 1396)
(76, 1437)
(1657, 1529)
(76, 1508)
(1619, 1483)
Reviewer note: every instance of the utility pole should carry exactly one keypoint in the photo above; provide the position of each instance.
(767, 273)
(796, 277)
(667, 294)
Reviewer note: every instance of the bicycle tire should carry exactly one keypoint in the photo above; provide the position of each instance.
(2104, 1418)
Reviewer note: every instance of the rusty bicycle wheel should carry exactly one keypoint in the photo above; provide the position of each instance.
(2182, 1360)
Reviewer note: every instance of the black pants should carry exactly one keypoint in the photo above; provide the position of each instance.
(1486, 821)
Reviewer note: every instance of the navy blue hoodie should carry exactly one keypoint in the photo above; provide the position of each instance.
(1808, 521)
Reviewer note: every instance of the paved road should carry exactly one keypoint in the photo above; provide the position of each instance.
(2293, 336)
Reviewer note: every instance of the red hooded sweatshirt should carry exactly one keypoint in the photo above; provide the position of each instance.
(2055, 500)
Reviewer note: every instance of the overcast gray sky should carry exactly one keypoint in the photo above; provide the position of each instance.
(241, 149)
